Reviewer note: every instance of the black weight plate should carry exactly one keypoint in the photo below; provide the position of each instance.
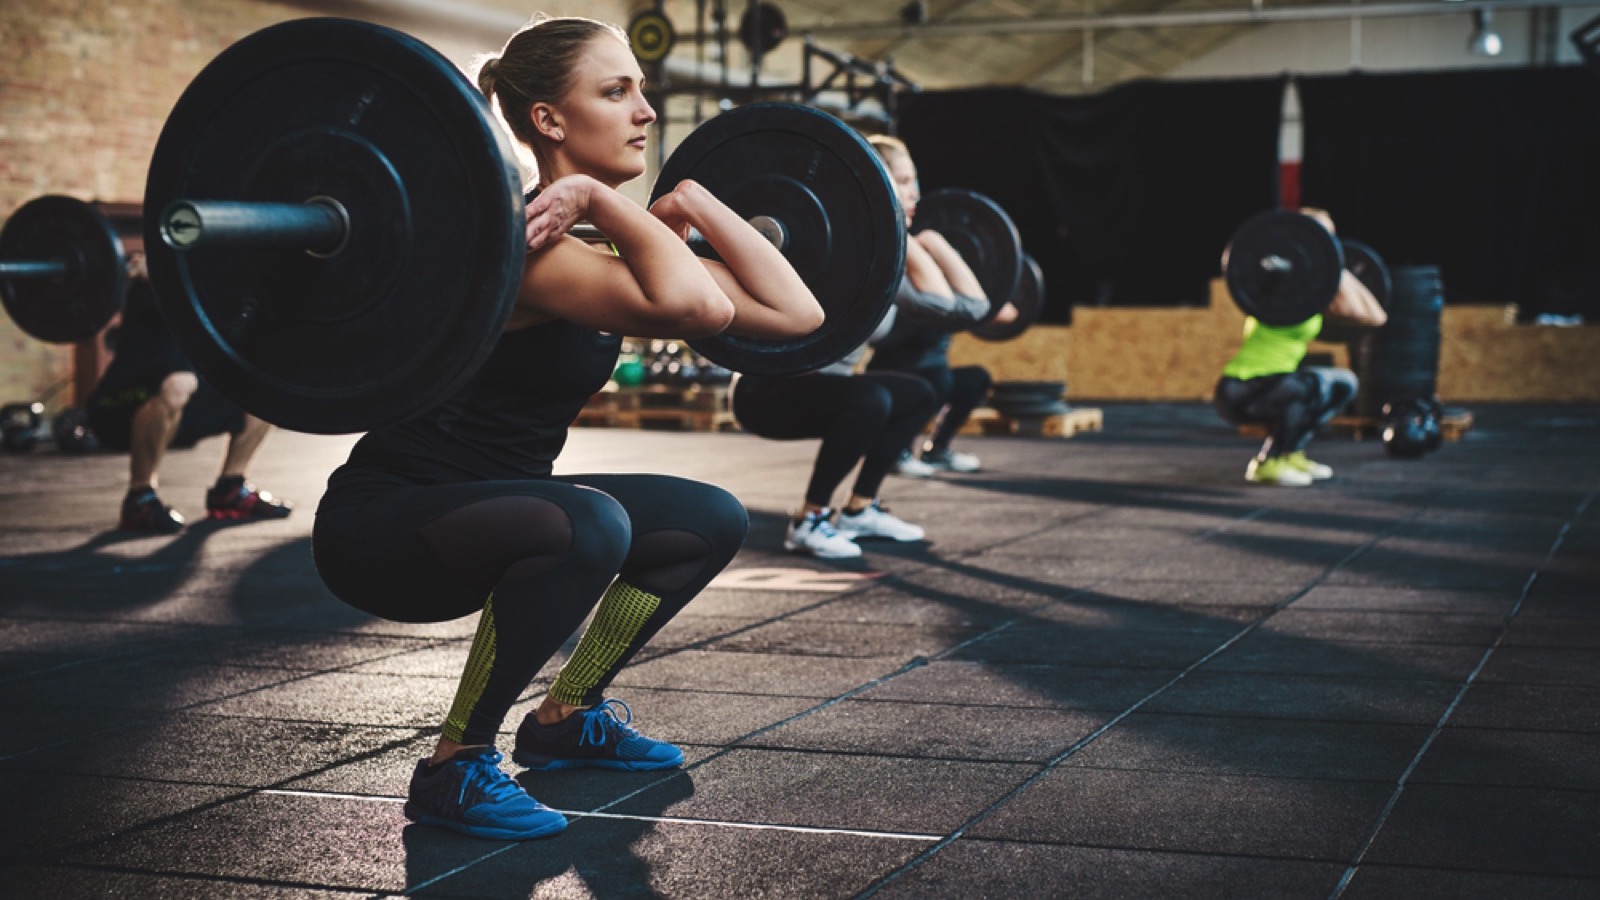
(830, 191)
(982, 233)
(1029, 301)
(1282, 297)
(651, 35)
(773, 27)
(1049, 390)
(1368, 268)
(407, 311)
(74, 306)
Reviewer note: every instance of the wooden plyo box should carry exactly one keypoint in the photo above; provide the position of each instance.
(1061, 425)
(693, 407)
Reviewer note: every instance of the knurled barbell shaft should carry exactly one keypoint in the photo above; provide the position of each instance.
(318, 226)
(33, 268)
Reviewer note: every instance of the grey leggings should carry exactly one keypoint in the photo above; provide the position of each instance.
(1293, 405)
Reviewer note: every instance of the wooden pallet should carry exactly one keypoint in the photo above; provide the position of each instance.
(694, 407)
(988, 421)
(1452, 425)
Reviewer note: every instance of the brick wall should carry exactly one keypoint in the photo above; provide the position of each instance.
(84, 88)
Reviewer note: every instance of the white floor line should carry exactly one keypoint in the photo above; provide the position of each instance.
(671, 820)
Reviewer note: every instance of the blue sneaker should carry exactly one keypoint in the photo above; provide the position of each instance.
(592, 738)
(470, 794)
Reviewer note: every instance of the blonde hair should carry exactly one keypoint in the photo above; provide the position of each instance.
(888, 145)
(536, 66)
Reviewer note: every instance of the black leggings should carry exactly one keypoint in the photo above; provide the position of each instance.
(1293, 405)
(958, 391)
(869, 417)
(546, 549)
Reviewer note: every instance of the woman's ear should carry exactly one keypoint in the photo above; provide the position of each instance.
(547, 121)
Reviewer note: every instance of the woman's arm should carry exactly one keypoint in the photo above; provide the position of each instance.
(955, 269)
(1355, 303)
(769, 298)
(928, 297)
(653, 287)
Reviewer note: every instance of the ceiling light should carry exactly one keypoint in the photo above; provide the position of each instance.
(1484, 42)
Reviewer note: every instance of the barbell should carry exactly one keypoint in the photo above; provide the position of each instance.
(1284, 267)
(334, 224)
(63, 270)
(989, 243)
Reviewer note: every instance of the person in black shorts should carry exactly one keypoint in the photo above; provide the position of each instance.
(864, 419)
(919, 346)
(149, 398)
(458, 511)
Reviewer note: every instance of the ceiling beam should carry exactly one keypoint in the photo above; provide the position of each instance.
(1168, 19)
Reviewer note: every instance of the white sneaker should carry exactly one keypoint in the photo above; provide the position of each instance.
(1316, 470)
(950, 460)
(815, 535)
(1276, 470)
(875, 521)
(912, 467)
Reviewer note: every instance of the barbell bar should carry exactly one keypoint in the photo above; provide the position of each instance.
(340, 232)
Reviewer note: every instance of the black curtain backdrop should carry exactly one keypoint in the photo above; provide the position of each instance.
(1126, 198)
(1492, 175)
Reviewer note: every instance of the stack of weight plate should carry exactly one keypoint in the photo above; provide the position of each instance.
(1400, 362)
(1028, 399)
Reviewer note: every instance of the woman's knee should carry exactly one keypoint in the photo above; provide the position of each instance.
(974, 378)
(869, 402)
(601, 531)
(725, 520)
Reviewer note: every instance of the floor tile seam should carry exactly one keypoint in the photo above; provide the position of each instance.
(1586, 792)
(730, 747)
(1077, 746)
(706, 642)
(1093, 587)
(1400, 785)
(1329, 861)
(1215, 774)
(1502, 682)
(871, 755)
(142, 716)
(234, 796)
(1265, 716)
(1468, 870)
(115, 869)
(739, 742)
(135, 654)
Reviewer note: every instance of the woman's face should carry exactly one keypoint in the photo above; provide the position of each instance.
(904, 174)
(605, 115)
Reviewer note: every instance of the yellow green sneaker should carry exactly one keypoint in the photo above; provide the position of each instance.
(1276, 470)
(1311, 467)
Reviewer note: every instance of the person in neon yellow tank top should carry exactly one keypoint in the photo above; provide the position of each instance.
(1264, 383)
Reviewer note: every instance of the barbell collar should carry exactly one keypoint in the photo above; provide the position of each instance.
(33, 268)
(771, 229)
(320, 226)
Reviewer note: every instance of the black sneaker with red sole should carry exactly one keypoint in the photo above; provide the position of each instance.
(145, 512)
(241, 501)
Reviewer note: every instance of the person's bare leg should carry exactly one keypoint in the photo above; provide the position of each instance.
(242, 447)
(154, 425)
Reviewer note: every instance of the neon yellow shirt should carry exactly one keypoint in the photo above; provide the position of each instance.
(1271, 349)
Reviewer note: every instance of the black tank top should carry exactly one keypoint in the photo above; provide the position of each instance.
(511, 419)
